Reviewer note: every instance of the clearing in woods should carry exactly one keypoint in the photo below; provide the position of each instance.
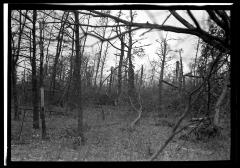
(109, 140)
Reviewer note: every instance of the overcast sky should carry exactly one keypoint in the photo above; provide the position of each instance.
(186, 42)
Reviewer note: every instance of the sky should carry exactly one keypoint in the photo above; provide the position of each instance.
(187, 42)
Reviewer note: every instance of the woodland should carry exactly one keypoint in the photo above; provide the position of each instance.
(79, 93)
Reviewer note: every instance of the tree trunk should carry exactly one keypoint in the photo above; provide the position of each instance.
(100, 55)
(77, 79)
(177, 73)
(34, 76)
(41, 83)
(14, 67)
(216, 120)
(98, 64)
(181, 81)
(71, 68)
(141, 76)
(110, 81)
(130, 64)
(102, 66)
(47, 55)
(15, 95)
(160, 88)
(120, 67)
(58, 52)
(195, 64)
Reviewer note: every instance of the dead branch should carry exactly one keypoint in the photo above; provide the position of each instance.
(174, 132)
(213, 40)
(139, 111)
(187, 109)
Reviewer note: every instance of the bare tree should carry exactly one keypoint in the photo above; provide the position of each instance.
(130, 64)
(58, 50)
(41, 81)
(77, 79)
(162, 53)
(160, 88)
(104, 22)
(14, 60)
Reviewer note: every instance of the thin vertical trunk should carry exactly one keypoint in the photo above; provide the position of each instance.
(77, 79)
(160, 88)
(102, 66)
(24, 85)
(130, 64)
(120, 67)
(41, 83)
(14, 67)
(110, 81)
(71, 68)
(34, 75)
(47, 56)
(126, 72)
(58, 52)
(141, 76)
(216, 120)
(98, 61)
(181, 77)
(152, 77)
(82, 52)
(177, 73)
(195, 64)
(100, 54)
(14, 91)
(41, 77)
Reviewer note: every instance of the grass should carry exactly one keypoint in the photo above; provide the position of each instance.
(109, 140)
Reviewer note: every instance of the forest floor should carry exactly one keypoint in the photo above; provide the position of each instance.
(110, 140)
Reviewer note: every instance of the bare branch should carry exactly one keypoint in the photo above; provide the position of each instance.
(216, 19)
(182, 20)
(208, 38)
(166, 18)
(193, 19)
